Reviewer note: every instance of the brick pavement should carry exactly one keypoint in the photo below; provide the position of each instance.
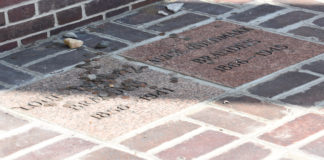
(279, 116)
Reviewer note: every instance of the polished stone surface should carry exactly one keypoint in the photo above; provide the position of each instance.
(225, 53)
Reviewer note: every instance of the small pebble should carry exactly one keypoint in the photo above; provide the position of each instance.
(102, 44)
(73, 43)
(163, 13)
(92, 77)
(70, 35)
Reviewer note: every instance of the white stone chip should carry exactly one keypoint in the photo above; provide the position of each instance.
(163, 13)
(175, 7)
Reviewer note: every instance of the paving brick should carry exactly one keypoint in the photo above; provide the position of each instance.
(196, 146)
(47, 5)
(309, 32)
(307, 98)
(5, 3)
(116, 12)
(282, 83)
(26, 28)
(97, 6)
(74, 14)
(287, 19)
(144, 3)
(34, 38)
(8, 46)
(158, 135)
(122, 32)
(227, 120)
(144, 15)
(317, 66)
(177, 22)
(253, 106)
(21, 13)
(247, 151)
(75, 25)
(316, 147)
(107, 154)
(92, 41)
(209, 8)
(232, 1)
(59, 150)
(25, 56)
(256, 12)
(61, 61)
(2, 19)
(18, 142)
(307, 4)
(8, 122)
(319, 22)
(11, 76)
(295, 130)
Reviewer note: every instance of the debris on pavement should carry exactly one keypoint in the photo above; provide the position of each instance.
(73, 43)
(163, 13)
(175, 7)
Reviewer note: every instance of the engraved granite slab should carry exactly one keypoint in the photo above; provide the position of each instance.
(106, 98)
(225, 53)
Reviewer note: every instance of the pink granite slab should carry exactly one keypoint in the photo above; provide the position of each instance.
(54, 101)
(239, 65)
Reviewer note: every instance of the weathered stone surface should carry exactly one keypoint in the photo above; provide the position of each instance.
(122, 97)
(225, 53)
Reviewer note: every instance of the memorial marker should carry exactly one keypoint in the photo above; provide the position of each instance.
(225, 53)
(106, 98)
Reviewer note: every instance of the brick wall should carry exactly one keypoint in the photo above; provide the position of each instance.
(25, 21)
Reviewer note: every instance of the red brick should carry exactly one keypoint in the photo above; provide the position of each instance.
(97, 6)
(247, 151)
(295, 130)
(316, 147)
(253, 106)
(34, 38)
(69, 15)
(108, 153)
(59, 150)
(26, 28)
(8, 122)
(5, 3)
(15, 143)
(159, 135)
(8, 46)
(21, 13)
(144, 3)
(2, 19)
(47, 5)
(75, 25)
(196, 146)
(227, 120)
